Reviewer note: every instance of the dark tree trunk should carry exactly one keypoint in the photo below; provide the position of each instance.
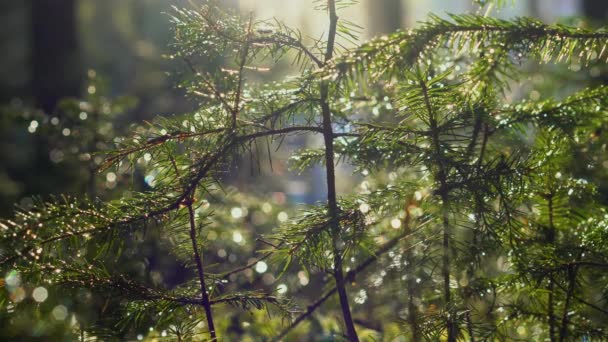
(56, 62)
(13, 27)
(233, 4)
(385, 15)
(596, 10)
(534, 9)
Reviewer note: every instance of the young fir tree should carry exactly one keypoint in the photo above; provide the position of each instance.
(475, 220)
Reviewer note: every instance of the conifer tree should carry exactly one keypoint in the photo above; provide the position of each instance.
(474, 220)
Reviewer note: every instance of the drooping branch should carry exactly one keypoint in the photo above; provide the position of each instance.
(154, 142)
(285, 40)
(171, 204)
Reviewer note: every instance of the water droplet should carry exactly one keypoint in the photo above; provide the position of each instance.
(471, 217)
(111, 177)
(60, 312)
(40, 294)
(266, 207)
(361, 297)
(237, 236)
(282, 289)
(236, 212)
(13, 279)
(282, 216)
(261, 267)
(303, 278)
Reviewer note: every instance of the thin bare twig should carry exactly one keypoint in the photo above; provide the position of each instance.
(201, 274)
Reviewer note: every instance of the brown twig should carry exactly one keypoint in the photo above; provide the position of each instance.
(332, 202)
(201, 273)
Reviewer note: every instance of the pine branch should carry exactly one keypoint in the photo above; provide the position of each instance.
(248, 266)
(210, 86)
(153, 208)
(469, 34)
(286, 40)
(576, 111)
(351, 275)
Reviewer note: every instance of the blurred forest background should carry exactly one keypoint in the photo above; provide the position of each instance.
(82, 71)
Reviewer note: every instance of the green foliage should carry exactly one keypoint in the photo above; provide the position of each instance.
(473, 219)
